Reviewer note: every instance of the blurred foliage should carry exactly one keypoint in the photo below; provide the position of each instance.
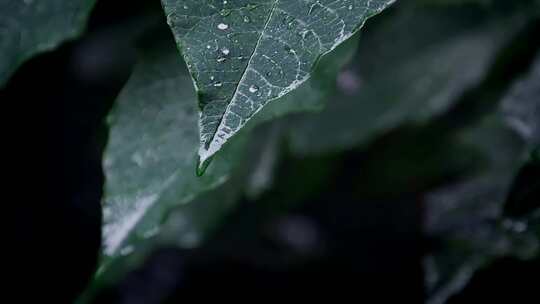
(30, 27)
(429, 116)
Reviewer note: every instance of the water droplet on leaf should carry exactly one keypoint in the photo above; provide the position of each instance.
(202, 166)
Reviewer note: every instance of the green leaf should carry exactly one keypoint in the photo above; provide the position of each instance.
(468, 216)
(149, 161)
(245, 54)
(152, 148)
(29, 27)
(152, 196)
(522, 106)
(410, 67)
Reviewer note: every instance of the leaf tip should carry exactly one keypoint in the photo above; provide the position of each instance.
(202, 164)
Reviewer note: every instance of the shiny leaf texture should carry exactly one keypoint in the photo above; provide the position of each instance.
(149, 161)
(244, 54)
(411, 67)
(152, 147)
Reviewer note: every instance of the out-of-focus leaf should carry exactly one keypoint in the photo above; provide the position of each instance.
(411, 66)
(525, 191)
(261, 178)
(522, 107)
(245, 54)
(467, 218)
(29, 27)
(183, 226)
(152, 148)
(310, 96)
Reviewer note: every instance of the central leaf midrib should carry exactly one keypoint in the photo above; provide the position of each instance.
(272, 9)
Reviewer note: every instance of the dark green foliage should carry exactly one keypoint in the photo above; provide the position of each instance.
(312, 116)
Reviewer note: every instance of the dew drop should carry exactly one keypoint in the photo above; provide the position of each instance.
(247, 19)
(218, 84)
(222, 26)
(185, 7)
(212, 77)
(221, 59)
(253, 88)
(202, 165)
(225, 51)
(350, 7)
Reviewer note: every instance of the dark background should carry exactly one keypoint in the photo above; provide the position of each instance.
(369, 240)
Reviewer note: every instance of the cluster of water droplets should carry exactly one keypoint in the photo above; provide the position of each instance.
(226, 26)
(224, 53)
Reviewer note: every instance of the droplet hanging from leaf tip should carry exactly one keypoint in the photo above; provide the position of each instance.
(202, 165)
